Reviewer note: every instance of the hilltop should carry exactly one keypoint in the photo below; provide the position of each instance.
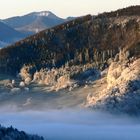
(97, 54)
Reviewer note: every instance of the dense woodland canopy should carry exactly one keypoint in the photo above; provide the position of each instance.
(88, 39)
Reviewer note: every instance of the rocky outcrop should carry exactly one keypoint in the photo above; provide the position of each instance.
(89, 39)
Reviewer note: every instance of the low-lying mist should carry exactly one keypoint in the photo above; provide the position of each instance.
(73, 124)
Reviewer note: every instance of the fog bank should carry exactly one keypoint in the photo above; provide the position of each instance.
(74, 124)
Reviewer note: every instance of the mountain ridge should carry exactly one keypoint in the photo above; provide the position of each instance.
(88, 39)
(34, 21)
(9, 34)
(23, 26)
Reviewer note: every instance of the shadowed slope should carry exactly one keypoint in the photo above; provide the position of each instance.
(84, 40)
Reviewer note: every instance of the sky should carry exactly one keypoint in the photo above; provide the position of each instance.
(62, 8)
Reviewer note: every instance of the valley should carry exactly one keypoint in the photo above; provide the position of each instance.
(73, 79)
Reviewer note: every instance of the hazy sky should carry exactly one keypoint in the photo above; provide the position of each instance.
(62, 8)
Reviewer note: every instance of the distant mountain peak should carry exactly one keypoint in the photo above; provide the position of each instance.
(44, 13)
(48, 14)
(34, 22)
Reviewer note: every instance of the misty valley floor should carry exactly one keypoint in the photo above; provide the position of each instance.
(74, 124)
(40, 98)
(61, 115)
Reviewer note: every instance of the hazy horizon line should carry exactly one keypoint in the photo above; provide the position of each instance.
(63, 17)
